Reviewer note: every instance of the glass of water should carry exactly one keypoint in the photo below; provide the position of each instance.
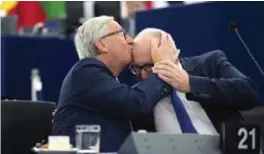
(88, 139)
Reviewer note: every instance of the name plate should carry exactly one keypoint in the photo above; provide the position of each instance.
(240, 139)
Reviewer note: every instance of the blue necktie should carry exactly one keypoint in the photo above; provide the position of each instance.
(182, 115)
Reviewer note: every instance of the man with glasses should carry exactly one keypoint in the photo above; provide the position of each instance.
(90, 93)
(208, 90)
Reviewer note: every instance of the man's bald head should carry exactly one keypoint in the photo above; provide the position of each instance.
(142, 44)
(142, 47)
(154, 32)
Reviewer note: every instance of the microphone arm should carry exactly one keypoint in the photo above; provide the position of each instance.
(235, 29)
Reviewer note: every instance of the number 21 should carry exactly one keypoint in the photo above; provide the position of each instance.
(244, 133)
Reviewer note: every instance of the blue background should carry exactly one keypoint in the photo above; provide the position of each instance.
(196, 29)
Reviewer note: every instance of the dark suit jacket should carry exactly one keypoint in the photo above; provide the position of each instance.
(90, 94)
(220, 88)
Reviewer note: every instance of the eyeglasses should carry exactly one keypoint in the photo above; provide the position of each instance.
(136, 69)
(115, 32)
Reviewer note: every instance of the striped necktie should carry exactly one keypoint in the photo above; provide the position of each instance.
(182, 115)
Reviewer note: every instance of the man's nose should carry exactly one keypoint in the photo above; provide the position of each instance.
(129, 40)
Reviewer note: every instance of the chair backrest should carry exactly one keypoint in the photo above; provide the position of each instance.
(23, 124)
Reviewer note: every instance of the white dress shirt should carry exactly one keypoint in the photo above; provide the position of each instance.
(165, 118)
(166, 121)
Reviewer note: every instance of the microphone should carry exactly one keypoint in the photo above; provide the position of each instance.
(234, 28)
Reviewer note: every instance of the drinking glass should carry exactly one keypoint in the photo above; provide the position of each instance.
(88, 139)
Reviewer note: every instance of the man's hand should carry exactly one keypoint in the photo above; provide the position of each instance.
(164, 51)
(171, 73)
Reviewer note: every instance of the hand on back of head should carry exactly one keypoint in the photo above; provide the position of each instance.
(163, 50)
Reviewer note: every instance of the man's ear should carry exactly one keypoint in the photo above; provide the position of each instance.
(100, 46)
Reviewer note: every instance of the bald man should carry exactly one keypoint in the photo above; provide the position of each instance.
(209, 87)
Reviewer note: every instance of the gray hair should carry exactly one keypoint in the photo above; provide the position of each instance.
(89, 32)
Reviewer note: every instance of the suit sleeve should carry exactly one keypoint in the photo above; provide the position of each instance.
(103, 94)
(232, 89)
